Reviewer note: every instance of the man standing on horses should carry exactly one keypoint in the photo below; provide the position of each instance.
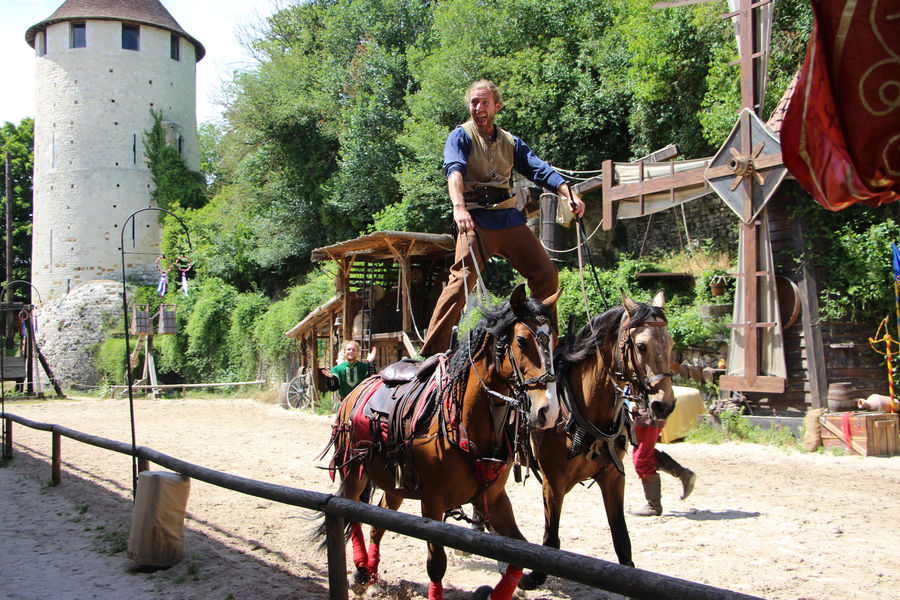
(478, 160)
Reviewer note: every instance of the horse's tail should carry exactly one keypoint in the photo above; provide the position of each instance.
(318, 536)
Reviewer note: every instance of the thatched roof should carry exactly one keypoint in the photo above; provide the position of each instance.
(317, 314)
(386, 245)
(146, 12)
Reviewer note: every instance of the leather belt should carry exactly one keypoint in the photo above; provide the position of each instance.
(490, 198)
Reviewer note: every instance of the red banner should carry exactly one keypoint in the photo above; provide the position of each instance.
(841, 134)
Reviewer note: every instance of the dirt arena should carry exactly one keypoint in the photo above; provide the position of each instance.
(762, 521)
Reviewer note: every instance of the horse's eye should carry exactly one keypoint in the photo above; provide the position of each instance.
(521, 341)
(642, 347)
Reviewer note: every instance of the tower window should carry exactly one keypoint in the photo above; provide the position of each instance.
(41, 43)
(180, 144)
(175, 47)
(131, 37)
(78, 36)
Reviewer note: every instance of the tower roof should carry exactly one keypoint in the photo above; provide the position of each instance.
(146, 12)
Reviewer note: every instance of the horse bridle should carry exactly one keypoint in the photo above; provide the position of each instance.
(645, 385)
(503, 346)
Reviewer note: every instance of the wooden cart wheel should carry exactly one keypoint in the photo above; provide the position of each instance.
(298, 393)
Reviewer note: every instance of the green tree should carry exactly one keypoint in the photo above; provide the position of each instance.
(19, 142)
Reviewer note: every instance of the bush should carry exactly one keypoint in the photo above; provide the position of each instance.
(571, 302)
(269, 329)
(207, 330)
(110, 359)
(689, 330)
(242, 346)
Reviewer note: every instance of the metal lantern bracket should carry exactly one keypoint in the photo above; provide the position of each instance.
(131, 217)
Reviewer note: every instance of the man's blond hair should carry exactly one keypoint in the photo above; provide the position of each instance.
(353, 343)
(486, 84)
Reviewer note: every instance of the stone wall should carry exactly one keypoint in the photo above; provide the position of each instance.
(710, 224)
(70, 328)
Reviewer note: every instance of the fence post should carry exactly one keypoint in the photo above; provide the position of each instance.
(55, 465)
(143, 464)
(337, 558)
(7, 443)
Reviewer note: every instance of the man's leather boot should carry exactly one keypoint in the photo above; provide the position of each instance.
(652, 492)
(667, 464)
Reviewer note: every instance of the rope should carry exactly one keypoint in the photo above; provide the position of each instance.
(571, 172)
(586, 240)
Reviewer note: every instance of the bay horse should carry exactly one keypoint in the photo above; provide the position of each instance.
(621, 356)
(460, 452)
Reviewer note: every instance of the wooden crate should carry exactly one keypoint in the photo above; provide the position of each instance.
(871, 433)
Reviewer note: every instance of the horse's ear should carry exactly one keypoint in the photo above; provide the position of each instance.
(517, 300)
(629, 304)
(659, 300)
(552, 299)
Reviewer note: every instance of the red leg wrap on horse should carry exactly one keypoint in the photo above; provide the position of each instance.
(374, 559)
(435, 591)
(504, 590)
(360, 558)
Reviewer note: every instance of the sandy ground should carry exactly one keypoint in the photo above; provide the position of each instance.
(762, 521)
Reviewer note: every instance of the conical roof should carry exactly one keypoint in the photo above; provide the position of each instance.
(146, 12)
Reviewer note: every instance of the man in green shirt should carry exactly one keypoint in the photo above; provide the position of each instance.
(352, 371)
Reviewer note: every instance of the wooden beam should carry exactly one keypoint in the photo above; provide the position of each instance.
(764, 384)
(655, 185)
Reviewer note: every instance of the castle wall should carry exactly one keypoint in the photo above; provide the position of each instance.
(92, 108)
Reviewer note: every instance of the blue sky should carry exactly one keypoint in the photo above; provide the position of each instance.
(217, 24)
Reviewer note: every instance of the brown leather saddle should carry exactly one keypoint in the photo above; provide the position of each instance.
(402, 408)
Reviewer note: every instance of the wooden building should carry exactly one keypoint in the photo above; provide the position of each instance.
(385, 290)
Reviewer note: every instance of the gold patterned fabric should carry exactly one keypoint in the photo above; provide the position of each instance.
(841, 135)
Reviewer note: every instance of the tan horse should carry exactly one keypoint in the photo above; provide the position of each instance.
(623, 355)
(461, 454)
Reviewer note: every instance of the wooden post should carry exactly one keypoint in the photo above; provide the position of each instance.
(7, 443)
(143, 464)
(337, 558)
(609, 217)
(55, 467)
(8, 316)
(809, 314)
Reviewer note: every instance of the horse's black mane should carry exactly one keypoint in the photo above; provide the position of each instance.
(494, 321)
(603, 327)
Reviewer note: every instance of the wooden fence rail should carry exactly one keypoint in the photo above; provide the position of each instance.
(629, 581)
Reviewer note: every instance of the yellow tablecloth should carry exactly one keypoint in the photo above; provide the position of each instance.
(688, 404)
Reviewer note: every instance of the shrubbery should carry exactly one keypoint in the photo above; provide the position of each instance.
(222, 334)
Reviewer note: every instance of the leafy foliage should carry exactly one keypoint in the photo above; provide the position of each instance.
(175, 185)
(854, 248)
(19, 142)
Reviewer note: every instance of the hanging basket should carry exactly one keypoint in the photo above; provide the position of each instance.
(140, 320)
(167, 323)
(717, 285)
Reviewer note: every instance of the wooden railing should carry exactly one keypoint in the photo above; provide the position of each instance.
(628, 581)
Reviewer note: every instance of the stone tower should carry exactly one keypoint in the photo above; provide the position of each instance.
(101, 66)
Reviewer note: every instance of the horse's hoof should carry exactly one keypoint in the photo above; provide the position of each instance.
(361, 577)
(532, 581)
(630, 563)
(482, 593)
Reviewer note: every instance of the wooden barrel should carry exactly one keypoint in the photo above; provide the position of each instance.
(841, 397)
